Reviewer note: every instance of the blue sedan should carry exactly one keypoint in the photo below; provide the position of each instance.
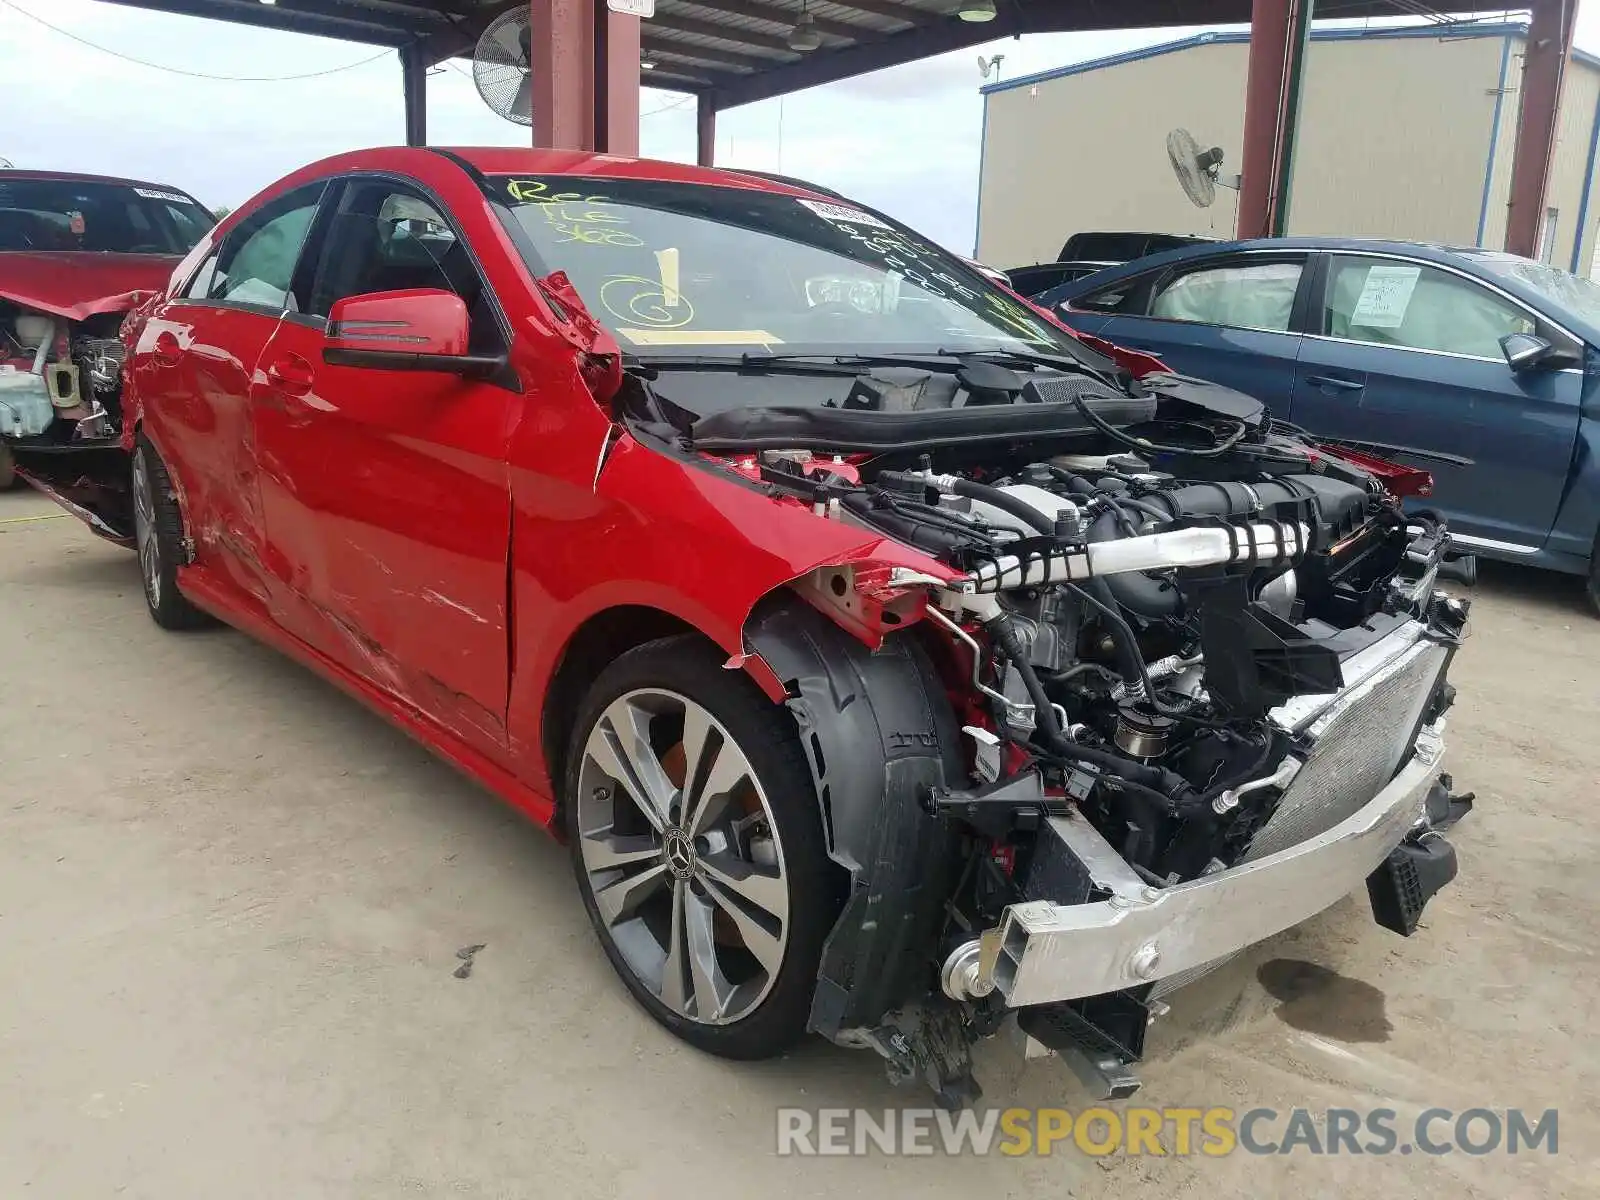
(1481, 367)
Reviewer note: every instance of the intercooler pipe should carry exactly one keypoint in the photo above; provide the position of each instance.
(1147, 595)
(1260, 542)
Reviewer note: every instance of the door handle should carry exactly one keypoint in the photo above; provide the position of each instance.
(1332, 383)
(291, 374)
(167, 349)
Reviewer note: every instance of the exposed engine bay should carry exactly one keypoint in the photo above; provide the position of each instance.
(1191, 656)
(60, 380)
(61, 393)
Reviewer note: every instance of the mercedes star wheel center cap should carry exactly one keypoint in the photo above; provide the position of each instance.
(679, 854)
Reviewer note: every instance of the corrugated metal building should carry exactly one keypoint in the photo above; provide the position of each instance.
(1404, 133)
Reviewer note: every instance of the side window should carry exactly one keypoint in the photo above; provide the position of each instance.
(1252, 296)
(1111, 300)
(200, 284)
(387, 238)
(256, 264)
(186, 221)
(1419, 307)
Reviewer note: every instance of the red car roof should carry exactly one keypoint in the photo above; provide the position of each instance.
(515, 160)
(504, 160)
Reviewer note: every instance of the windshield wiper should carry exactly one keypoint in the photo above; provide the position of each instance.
(799, 364)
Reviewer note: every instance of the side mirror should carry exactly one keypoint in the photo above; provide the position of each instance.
(423, 329)
(1524, 351)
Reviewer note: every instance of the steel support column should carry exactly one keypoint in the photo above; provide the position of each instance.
(1289, 125)
(705, 130)
(563, 74)
(585, 77)
(1544, 66)
(616, 108)
(414, 81)
(1279, 33)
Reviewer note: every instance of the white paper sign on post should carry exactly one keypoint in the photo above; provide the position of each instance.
(1385, 297)
(633, 8)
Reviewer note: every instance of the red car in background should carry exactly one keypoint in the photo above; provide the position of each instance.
(76, 251)
(894, 663)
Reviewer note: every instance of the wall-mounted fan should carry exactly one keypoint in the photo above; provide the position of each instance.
(502, 66)
(1197, 169)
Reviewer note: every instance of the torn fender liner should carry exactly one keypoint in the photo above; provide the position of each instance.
(878, 733)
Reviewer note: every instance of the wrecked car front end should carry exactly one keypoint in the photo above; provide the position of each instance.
(1140, 709)
(78, 254)
(1149, 677)
(61, 418)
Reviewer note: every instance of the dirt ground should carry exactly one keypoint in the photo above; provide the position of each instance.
(231, 900)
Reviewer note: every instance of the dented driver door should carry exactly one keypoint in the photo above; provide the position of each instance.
(386, 492)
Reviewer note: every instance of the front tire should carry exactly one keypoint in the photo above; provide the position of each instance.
(158, 536)
(697, 842)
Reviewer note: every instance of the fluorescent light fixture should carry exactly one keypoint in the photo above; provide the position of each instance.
(976, 10)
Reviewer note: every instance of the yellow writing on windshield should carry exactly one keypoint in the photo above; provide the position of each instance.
(576, 218)
(637, 300)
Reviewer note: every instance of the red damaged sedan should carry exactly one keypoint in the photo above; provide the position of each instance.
(894, 663)
(76, 253)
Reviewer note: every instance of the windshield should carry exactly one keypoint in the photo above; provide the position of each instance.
(1577, 295)
(674, 268)
(116, 218)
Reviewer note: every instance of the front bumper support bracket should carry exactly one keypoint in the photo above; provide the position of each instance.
(1137, 934)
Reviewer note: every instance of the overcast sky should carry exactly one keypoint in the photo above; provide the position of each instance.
(904, 140)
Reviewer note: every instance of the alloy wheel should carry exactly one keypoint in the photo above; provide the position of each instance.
(682, 857)
(144, 528)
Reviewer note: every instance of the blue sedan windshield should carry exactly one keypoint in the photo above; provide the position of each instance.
(1577, 295)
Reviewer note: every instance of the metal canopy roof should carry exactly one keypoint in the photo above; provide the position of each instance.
(735, 52)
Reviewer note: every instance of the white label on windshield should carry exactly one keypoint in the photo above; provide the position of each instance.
(153, 194)
(1385, 297)
(842, 215)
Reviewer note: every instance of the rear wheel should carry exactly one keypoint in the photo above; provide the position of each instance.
(697, 843)
(158, 536)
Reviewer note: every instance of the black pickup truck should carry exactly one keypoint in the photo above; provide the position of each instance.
(1086, 253)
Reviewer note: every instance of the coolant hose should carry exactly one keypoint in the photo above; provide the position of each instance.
(1161, 785)
(1276, 746)
(1020, 509)
(1129, 662)
(1122, 634)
